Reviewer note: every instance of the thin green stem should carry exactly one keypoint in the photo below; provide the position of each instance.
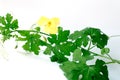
(89, 45)
(114, 36)
(92, 47)
(32, 31)
(44, 33)
(109, 58)
(101, 55)
(109, 62)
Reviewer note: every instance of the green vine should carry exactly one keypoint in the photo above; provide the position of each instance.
(61, 46)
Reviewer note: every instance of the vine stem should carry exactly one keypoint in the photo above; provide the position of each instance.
(33, 31)
(114, 36)
(44, 33)
(89, 47)
(109, 58)
(109, 62)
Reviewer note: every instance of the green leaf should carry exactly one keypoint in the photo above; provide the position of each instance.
(87, 54)
(82, 41)
(54, 58)
(66, 48)
(37, 29)
(85, 40)
(79, 42)
(101, 40)
(6, 33)
(24, 32)
(47, 51)
(2, 20)
(92, 31)
(42, 43)
(98, 37)
(60, 29)
(96, 72)
(53, 38)
(63, 35)
(9, 17)
(76, 35)
(72, 71)
(20, 39)
(77, 55)
(102, 69)
(105, 51)
(32, 43)
(58, 56)
(14, 24)
(8, 25)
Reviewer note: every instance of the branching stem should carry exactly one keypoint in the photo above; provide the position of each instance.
(109, 58)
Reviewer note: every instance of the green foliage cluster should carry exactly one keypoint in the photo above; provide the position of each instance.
(71, 50)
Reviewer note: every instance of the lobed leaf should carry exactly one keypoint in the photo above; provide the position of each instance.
(79, 71)
(8, 26)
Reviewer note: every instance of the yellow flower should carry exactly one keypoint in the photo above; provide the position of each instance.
(49, 25)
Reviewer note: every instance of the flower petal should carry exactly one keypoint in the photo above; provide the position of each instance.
(42, 21)
(51, 29)
(56, 20)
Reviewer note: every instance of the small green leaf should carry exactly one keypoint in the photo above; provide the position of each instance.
(37, 29)
(2, 20)
(47, 51)
(14, 24)
(9, 17)
(85, 40)
(60, 29)
(105, 51)
(54, 58)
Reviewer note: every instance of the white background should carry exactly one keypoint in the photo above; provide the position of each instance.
(74, 15)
